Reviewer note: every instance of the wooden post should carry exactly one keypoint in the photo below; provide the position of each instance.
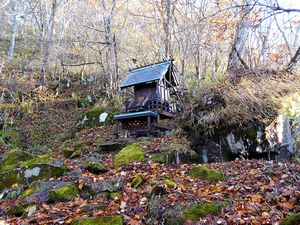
(117, 129)
(148, 125)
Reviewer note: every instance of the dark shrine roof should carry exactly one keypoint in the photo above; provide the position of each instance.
(146, 74)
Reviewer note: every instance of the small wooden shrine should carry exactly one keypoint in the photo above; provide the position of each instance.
(155, 101)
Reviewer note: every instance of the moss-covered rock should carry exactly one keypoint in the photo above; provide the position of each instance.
(129, 153)
(15, 156)
(92, 117)
(203, 173)
(169, 183)
(37, 159)
(291, 220)
(109, 146)
(62, 194)
(27, 192)
(8, 167)
(32, 172)
(110, 220)
(195, 212)
(18, 210)
(95, 167)
(137, 181)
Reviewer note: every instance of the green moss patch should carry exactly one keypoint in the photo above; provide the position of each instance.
(110, 220)
(8, 167)
(169, 183)
(130, 153)
(115, 195)
(195, 212)
(27, 193)
(95, 167)
(39, 159)
(29, 174)
(291, 220)
(137, 181)
(203, 173)
(15, 156)
(63, 194)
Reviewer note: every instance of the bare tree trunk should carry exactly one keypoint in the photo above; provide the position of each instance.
(13, 36)
(48, 45)
(235, 57)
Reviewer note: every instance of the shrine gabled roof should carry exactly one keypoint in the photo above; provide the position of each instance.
(146, 74)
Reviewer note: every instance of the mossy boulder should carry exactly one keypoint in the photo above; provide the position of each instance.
(92, 117)
(137, 181)
(50, 192)
(30, 173)
(15, 156)
(109, 220)
(27, 192)
(95, 167)
(110, 185)
(198, 211)
(109, 146)
(129, 153)
(18, 210)
(291, 220)
(8, 168)
(204, 173)
(63, 194)
(37, 159)
(169, 183)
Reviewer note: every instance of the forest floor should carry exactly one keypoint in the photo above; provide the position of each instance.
(258, 192)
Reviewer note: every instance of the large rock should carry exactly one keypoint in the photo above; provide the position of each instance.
(200, 210)
(133, 152)
(111, 185)
(204, 173)
(32, 172)
(14, 157)
(110, 147)
(50, 192)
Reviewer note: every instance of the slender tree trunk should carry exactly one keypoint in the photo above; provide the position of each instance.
(13, 36)
(235, 57)
(48, 45)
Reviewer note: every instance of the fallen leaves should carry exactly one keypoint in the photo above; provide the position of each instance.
(260, 193)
